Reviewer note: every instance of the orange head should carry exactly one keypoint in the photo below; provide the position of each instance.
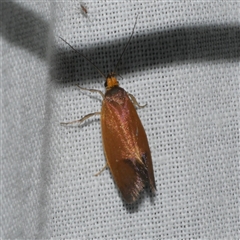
(111, 81)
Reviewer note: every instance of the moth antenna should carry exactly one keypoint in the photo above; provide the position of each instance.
(84, 57)
(126, 45)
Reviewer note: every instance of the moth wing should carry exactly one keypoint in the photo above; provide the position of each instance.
(126, 147)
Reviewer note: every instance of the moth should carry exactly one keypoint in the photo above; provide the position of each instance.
(124, 139)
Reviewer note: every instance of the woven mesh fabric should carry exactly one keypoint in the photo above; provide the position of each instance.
(183, 61)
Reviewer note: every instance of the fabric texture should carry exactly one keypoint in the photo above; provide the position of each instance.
(183, 61)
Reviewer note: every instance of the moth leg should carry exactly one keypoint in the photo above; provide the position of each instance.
(82, 119)
(101, 170)
(134, 100)
(92, 90)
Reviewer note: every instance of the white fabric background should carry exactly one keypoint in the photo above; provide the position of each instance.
(183, 61)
